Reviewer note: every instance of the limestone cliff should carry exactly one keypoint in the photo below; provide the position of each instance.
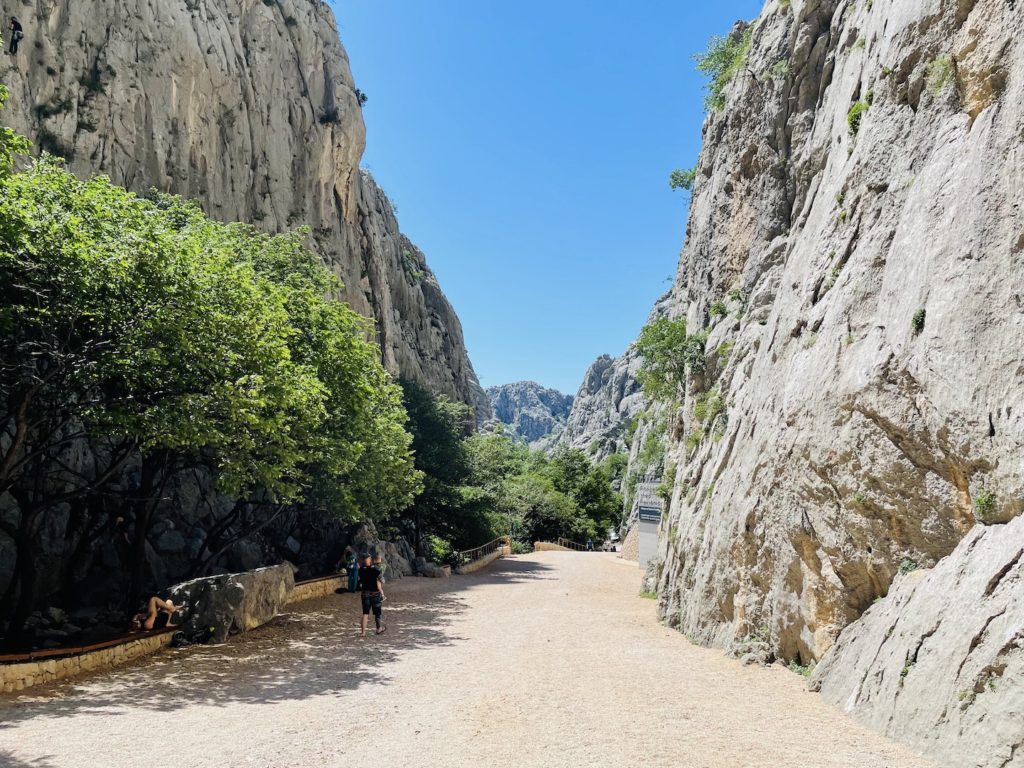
(530, 412)
(938, 662)
(854, 254)
(249, 107)
(609, 402)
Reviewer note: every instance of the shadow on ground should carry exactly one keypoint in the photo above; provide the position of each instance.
(312, 650)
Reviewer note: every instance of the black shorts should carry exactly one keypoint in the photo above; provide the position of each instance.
(372, 601)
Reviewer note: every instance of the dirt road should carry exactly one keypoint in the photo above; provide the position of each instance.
(546, 660)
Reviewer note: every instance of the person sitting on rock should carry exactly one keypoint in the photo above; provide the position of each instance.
(16, 35)
(156, 615)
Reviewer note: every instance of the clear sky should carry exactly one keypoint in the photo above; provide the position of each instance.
(527, 145)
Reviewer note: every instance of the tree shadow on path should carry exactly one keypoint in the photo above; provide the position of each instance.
(312, 650)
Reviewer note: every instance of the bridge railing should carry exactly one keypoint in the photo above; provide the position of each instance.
(570, 544)
(472, 555)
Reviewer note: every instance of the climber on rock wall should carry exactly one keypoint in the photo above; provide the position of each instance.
(16, 35)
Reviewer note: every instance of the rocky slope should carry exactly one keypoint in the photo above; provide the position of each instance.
(854, 255)
(939, 662)
(608, 403)
(530, 412)
(249, 107)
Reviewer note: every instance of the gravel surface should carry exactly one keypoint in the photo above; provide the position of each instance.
(548, 659)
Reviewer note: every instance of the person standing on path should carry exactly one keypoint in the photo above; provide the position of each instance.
(372, 586)
(16, 35)
(352, 569)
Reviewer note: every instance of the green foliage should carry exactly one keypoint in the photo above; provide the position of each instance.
(652, 453)
(908, 566)
(917, 321)
(648, 595)
(183, 344)
(707, 407)
(855, 116)
(780, 69)
(939, 73)
(804, 670)
(718, 309)
(682, 178)
(667, 484)
(724, 57)
(11, 144)
(668, 352)
(984, 503)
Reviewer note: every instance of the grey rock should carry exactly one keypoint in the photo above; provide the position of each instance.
(231, 603)
(170, 542)
(54, 615)
(851, 440)
(938, 662)
(529, 412)
(292, 545)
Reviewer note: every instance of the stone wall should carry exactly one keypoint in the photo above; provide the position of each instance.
(17, 677)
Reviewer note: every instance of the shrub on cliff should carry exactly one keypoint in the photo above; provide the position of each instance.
(724, 57)
(669, 353)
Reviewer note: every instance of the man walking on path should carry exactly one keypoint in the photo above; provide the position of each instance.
(372, 586)
(16, 35)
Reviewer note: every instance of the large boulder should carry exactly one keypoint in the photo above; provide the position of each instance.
(938, 662)
(364, 539)
(218, 606)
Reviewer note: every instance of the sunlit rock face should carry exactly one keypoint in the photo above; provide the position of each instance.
(529, 412)
(861, 286)
(250, 108)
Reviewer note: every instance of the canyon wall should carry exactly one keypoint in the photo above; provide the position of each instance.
(249, 107)
(529, 412)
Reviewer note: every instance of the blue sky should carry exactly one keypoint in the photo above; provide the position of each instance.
(527, 146)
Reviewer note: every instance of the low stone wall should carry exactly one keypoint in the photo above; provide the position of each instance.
(631, 544)
(484, 561)
(22, 675)
(309, 590)
(547, 546)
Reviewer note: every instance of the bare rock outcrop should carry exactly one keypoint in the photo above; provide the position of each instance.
(853, 254)
(530, 412)
(218, 606)
(250, 108)
(939, 662)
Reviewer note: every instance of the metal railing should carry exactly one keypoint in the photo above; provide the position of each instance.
(470, 555)
(569, 544)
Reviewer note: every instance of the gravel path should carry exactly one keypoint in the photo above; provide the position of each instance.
(545, 660)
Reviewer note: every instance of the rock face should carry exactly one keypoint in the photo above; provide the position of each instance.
(218, 606)
(530, 412)
(854, 254)
(250, 108)
(940, 661)
(607, 401)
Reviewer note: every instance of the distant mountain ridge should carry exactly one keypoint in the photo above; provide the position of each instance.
(530, 412)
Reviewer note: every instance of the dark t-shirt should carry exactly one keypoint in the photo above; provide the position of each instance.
(15, 26)
(368, 578)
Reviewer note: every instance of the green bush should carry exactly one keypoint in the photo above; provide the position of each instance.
(718, 309)
(724, 57)
(855, 116)
(939, 73)
(682, 178)
(984, 503)
(662, 345)
(917, 321)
